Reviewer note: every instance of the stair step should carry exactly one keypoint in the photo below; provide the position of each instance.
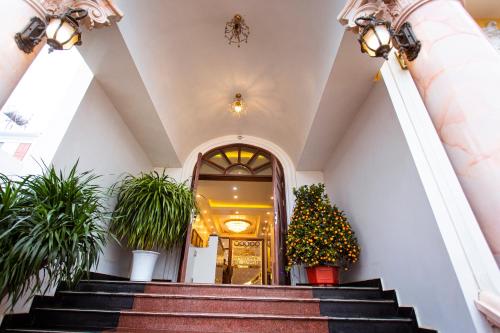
(217, 290)
(166, 307)
(218, 304)
(197, 322)
(121, 330)
(217, 322)
(40, 330)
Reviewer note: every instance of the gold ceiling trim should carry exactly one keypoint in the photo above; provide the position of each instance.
(227, 204)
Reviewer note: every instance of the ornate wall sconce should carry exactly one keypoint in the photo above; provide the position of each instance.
(377, 38)
(62, 31)
(236, 30)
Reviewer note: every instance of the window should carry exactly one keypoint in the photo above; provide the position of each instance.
(236, 160)
(38, 112)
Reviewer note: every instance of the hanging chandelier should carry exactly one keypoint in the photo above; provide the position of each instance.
(236, 30)
(237, 225)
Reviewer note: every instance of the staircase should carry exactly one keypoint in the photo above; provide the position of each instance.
(162, 307)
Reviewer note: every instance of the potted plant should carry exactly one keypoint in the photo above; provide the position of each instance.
(153, 211)
(319, 236)
(51, 230)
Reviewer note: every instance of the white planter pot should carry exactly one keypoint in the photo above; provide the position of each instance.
(143, 265)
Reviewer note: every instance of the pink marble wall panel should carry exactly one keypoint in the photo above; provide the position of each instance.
(458, 75)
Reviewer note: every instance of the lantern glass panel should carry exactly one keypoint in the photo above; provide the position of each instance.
(375, 38)
(52, 27)
(63, 34)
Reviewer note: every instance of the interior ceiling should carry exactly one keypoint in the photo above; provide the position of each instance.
(218, 204)
(483, 9)
(192, 74)
(171, 74)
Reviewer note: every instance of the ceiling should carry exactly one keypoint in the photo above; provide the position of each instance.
(221, 201)
(170, 72)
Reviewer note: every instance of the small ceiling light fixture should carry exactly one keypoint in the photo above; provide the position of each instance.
(237, 225)
(62, 31)
(236, 30)
(377, 38)
(238, 104)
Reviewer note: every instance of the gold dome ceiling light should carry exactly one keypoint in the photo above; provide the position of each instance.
(237, 225)
(236, 30)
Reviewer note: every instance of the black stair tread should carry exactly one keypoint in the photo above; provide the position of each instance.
(225, 297)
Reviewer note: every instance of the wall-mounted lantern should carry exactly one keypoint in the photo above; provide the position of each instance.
(377, 38)
(62, 31)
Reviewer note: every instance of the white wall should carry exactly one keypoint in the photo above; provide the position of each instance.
(308, 178)
(371, 175)
(202, 262)
(102, 142)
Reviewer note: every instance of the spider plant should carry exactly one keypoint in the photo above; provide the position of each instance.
(152, 211)
(53, 231)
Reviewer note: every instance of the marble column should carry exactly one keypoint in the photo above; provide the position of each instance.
(16, 14)
(458, 76)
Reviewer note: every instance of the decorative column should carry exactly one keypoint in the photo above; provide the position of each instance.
(458, 76)
(16, 14)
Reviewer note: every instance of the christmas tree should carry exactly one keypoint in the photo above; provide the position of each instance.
(319, 233)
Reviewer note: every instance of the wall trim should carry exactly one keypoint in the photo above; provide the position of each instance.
(472, 260)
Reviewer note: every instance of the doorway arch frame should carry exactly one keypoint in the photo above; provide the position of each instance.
(286, 167)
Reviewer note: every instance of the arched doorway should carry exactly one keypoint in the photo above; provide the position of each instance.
(248, 170)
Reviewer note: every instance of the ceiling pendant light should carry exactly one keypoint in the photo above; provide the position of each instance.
(238, 104)
(236, 30)
(237, 225)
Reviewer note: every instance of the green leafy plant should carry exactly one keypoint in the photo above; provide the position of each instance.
(319, 233)
(52, 230)
(153, 211)
(12, 203)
